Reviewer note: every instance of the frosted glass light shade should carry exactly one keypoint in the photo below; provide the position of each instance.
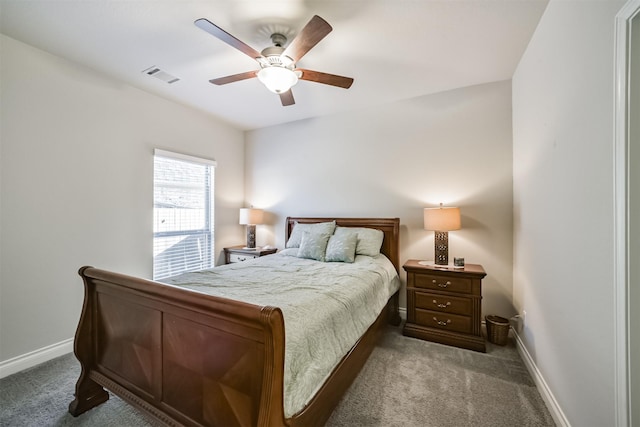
(250, 216)
(277, 79)
(442, 219)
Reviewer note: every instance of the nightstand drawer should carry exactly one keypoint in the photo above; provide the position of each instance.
(240, 257)
(444, 321)
(443, 303)
(240, 253)
(442, 283)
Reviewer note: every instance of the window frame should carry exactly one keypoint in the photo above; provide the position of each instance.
(209, 228)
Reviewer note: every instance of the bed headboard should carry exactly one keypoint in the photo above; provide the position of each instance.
(389, 226)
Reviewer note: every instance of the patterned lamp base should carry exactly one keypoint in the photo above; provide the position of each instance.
(441, 248)
(251, 237)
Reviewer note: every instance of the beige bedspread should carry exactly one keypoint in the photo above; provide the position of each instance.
(327, 306)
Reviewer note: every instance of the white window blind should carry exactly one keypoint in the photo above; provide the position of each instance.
(182, 213)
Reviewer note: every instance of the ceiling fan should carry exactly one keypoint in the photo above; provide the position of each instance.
(278, 71)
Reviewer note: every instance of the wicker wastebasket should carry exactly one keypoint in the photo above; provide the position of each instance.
(497, 329)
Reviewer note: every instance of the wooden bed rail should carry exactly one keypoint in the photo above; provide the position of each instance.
(182, 357)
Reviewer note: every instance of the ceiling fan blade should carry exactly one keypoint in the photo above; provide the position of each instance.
(315, 30)
(325, 78)
(287, 98)
(233, 78)
(221, 34)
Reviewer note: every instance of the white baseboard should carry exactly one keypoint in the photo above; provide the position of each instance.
(36, 357)
(403, 313)
(548, 397)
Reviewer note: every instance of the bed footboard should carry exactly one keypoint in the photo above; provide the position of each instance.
(182, 357)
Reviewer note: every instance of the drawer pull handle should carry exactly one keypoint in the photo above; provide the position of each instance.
(441, 285)
(442, 305)
(442, 322)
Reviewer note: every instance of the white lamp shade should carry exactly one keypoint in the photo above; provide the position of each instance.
(442, 219)
(250, 216)
(277, 79)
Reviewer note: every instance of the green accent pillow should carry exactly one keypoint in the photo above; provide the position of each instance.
(313, 246)
(318, 228)
(369, 239)
(342, 248)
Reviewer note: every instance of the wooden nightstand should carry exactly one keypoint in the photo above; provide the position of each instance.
(444, 304)
(238, 254)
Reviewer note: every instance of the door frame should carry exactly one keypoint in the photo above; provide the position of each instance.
(621, 211)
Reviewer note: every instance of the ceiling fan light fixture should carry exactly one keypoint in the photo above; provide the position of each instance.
(277, 79)
(278, 70)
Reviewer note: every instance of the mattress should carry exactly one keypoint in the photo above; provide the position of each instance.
(327, 307)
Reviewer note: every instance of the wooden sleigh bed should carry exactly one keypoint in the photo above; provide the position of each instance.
(132, 336)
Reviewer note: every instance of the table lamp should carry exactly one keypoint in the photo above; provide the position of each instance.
(250, 217)
(441, 220)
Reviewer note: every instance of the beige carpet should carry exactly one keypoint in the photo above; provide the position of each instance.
(406, 382)
(410, 382)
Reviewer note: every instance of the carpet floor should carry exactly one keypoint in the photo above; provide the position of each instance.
(406, 382)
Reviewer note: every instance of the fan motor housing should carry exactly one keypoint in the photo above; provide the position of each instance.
(273, 54)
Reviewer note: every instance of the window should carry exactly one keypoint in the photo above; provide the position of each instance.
(182, 213)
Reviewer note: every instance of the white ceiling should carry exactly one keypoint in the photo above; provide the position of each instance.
(394, 49)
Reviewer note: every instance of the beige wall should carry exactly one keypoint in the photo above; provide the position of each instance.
(77, 181)
(394, 160)
(563, 206)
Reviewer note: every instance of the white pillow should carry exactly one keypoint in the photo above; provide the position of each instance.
(369, 239)
(318, 228)
(289, 252)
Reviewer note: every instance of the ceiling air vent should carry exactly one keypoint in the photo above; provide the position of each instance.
(160, 74)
